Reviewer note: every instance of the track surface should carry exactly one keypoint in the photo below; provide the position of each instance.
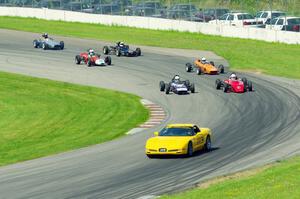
(250, 129)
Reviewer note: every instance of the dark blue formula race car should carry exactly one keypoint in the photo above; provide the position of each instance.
(48, 43)
(120, 49)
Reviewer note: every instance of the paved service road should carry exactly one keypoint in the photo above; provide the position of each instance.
(250, 129)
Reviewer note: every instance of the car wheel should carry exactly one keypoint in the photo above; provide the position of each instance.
(138, 52)
(190, 149)
(192, 88)
(168, 89)
(162, 86)
(44, 46)
(77, 59)
(150, 156)
(244, 80)
(212, 63)
(108, 60)
(118, 53)
(218, 84)
(199, 71)
(221, 69)
(62, 45)
(105, 50)
(207, 146)
(188, 67)
(35, 43)
(250, 88)
(225, 88)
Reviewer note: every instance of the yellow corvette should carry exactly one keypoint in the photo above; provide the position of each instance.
(179, 139)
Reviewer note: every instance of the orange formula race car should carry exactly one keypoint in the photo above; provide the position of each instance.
(204, 67)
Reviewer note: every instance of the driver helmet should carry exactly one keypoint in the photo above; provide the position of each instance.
(203, 59)
(91, 52)
(233, 76)
(121, 44)
(45, 35)
(177, 77)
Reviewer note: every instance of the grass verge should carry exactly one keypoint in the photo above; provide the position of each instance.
(243, 54)
(277, 182)
(40, 117)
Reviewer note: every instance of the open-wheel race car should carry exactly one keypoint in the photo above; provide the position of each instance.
(90, 58)
(204, 67)
(120, 49)
(177, 86)
(46, 42)
(234, 84)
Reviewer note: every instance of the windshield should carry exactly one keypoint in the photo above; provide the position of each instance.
(295, 21)
(258, 14)
(177, 132)
(277, 14)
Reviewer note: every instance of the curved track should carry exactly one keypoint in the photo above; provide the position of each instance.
(250, 129)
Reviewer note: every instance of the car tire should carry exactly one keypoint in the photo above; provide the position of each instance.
(188, 67)
(250, 87)
(149, 156)
(118, 53)
(35, 43)
(221, 69)
(138, 52)
(62, 45)
(168, 87)
(207, 145)
(192, 88)
(190, 150)
(245, 81)
(77, 59)
(199, 71)
(218, 84)
(108, 60)
(162, 86)
(105, 50)
(212, 63)
(225, 88)
(44, 46)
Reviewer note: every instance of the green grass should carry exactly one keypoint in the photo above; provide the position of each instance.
(40, 117)
(270, 58)
(278, 182)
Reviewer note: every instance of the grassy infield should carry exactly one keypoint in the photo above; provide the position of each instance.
(83, 115)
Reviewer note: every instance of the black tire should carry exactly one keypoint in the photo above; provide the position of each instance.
(150, 156)
(138, 52)
(188, 67)
(118, 52)
(187, 83)
(105, 50)
(225, 88)
(89, 63)
(221, 69)
(190, 150)
(168, 87)
(245, 81)
(35, 43)
(162, 86)
(199, 71)
(207, 145)
(218, 84)
(192, 88)
(212, 63)
(250, 87)
(62, 45)
(77, 59)
(108, 60)
(44, 46)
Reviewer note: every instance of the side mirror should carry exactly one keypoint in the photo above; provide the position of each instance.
(156, 133)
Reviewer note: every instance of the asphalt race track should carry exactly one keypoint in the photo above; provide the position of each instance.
(250, 129)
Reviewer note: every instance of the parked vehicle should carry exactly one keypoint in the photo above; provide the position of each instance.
(265, 16)
(285, 23)
(182, 11)
(237, 19)
(149, 8)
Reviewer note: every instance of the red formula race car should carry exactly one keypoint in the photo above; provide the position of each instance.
(90, 58)
(235, 85)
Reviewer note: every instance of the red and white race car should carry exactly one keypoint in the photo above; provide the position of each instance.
(235, 85)
(90, 58)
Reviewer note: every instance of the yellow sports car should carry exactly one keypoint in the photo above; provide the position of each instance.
(179, 139)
